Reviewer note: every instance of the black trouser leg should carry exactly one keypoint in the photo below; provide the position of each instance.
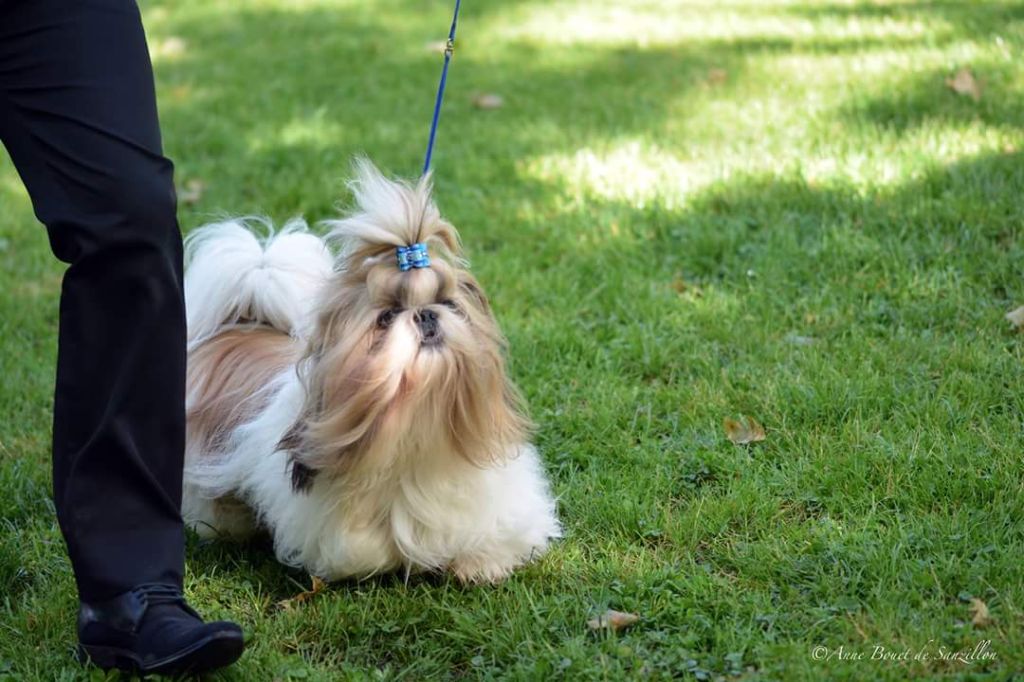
(78, 117)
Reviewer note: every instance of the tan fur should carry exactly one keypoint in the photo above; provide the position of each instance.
(367, 394)
(227, 380)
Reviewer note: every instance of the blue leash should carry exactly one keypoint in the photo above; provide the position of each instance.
(449, 48)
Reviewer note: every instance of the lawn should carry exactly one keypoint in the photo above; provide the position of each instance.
(683, 212)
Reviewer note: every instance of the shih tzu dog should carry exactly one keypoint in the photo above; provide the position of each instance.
(356, 406)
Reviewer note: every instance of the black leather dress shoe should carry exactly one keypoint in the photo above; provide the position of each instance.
(151, 629)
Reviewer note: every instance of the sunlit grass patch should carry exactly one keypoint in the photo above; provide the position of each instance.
(644, 23)
(315, 131)
(629, 172)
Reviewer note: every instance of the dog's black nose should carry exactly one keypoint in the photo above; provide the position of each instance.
(426, 320)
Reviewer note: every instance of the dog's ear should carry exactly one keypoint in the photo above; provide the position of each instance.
(473, 291)
(302, 476)
(291, 442)
(292, 438)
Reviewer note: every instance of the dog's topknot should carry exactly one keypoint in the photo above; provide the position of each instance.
(389, 214)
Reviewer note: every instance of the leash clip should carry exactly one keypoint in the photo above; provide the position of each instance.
(449, 47)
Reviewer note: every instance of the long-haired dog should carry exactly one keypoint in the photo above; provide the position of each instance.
(357, 407)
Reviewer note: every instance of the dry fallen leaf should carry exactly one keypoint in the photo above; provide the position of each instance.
(488, 100)
(743, 431)
(612, 620)
(181, 92)
(717, 76)
(1016, 317)
(318, 586)
(964, 83)
(192, 192)
(979, 611)
(684, 288)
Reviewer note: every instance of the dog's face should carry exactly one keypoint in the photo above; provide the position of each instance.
(431, 324)
(406, 364)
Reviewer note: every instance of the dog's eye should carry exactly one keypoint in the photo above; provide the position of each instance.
(451, 305)
(386, 317)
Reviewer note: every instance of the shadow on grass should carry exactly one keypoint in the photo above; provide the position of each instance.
(255, 559)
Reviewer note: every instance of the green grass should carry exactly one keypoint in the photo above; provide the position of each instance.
(684, 211)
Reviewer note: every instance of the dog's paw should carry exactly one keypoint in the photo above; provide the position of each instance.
(477, 570)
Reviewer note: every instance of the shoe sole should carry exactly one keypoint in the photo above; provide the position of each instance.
(214, 651)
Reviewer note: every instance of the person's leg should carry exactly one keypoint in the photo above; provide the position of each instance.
(78, 117)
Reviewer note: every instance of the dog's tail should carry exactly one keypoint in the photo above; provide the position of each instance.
(232, 274)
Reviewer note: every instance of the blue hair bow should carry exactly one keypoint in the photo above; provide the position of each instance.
(414, 256)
